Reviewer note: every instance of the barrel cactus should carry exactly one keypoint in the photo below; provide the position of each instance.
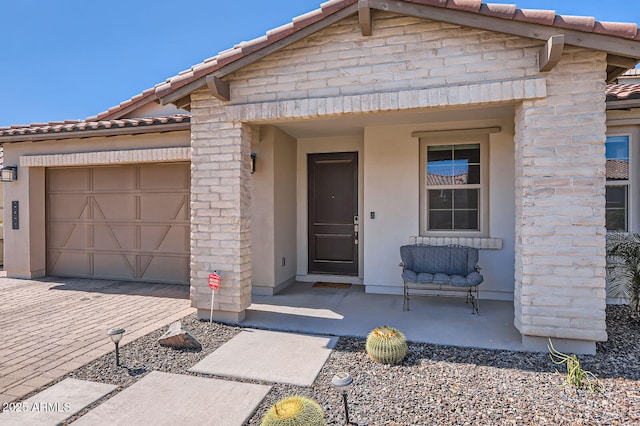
(386, 345)
(294, 411)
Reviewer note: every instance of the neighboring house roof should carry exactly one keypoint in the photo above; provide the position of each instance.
(617, 169)
(435, 179)
(469, 11)
(622, 91)
(83, 128)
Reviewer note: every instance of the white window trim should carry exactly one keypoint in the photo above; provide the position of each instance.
(627, 183)
(480, 138)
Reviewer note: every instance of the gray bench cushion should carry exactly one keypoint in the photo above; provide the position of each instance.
(440, 265)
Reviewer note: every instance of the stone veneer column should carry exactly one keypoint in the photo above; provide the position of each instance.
(220, 209)
(560, 207)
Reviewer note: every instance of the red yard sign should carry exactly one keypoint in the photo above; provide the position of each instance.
(214, 281)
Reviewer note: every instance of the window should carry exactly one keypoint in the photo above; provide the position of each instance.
(617, 189)
(453, 190)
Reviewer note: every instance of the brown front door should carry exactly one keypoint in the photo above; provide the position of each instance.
(333, 213)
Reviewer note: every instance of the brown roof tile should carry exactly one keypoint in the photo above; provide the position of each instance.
(616, 29)
(580, 23)
(70, 126)
(505, 11)
(535, 16)
(466, 5)
(542, 17)
(622, 91)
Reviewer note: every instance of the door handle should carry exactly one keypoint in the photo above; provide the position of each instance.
(355, 229)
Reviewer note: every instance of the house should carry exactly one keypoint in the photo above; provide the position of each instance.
(316, 151)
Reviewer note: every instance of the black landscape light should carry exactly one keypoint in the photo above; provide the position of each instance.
(116, 336)
(343, 380)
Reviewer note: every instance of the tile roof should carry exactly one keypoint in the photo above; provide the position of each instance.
(505, 11)
(73, 126)
(617, 169)
(619, 92)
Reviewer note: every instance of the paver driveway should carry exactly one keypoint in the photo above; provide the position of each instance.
(52, 326)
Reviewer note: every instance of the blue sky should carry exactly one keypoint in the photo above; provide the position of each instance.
(70, 59)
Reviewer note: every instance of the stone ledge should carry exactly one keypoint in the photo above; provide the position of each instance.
(467, 94)
(107, 157)
(475, 242)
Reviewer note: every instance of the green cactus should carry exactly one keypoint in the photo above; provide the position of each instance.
(294, 411)
(386, 345)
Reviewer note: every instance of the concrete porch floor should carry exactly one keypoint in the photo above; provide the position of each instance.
(352, 312)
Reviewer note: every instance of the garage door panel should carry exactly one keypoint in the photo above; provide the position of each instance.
(71, 179)
(117, 266)
(68, 206)
(69, 235)
(166, 269)
(130, 222)
(118, 178)
(69, 263)
(173, 239)
(164, 207)
(164, 177)
(114, 237)
(115, 207)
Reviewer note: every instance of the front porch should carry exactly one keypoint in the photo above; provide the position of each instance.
(352, 312)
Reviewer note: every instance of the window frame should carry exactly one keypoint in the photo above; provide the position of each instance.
(626, 183)
(483, 199)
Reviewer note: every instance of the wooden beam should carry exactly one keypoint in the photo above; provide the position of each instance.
(621, 61)
(613, 73)
(218, 88)
(626, 104)
(609, 44)
(183, 103)
(551, 53)
(364, 15)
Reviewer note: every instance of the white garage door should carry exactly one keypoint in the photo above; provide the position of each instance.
(127, 222)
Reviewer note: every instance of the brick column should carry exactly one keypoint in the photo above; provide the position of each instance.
(560, 207)
(220, 210)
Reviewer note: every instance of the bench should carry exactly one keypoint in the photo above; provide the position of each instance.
(450, 268)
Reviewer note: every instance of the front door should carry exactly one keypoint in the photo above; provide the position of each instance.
(333, 213)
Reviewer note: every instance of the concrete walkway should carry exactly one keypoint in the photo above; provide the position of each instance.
(52, 326)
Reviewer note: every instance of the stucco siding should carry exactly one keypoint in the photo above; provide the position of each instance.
(392, 188)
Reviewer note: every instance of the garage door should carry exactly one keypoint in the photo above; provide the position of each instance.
(126, 222)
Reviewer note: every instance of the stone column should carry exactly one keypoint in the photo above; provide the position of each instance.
(560, 208)
(220, 209)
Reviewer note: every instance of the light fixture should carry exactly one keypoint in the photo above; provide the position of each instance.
(116, 336)
(9, 173)
(253, 162)
(343, 380)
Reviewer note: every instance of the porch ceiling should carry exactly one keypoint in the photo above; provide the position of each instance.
(350, 125)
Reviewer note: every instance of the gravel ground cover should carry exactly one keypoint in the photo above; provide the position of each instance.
(435, 385)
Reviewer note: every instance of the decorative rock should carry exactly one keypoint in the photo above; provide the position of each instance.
(178, 337)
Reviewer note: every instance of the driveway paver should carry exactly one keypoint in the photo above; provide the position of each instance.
(52, 326)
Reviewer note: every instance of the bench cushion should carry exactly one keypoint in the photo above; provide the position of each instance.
(440, 265)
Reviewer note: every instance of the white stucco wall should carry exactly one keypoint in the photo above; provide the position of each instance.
(273, 211)
(392, 187)
(285, 187)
